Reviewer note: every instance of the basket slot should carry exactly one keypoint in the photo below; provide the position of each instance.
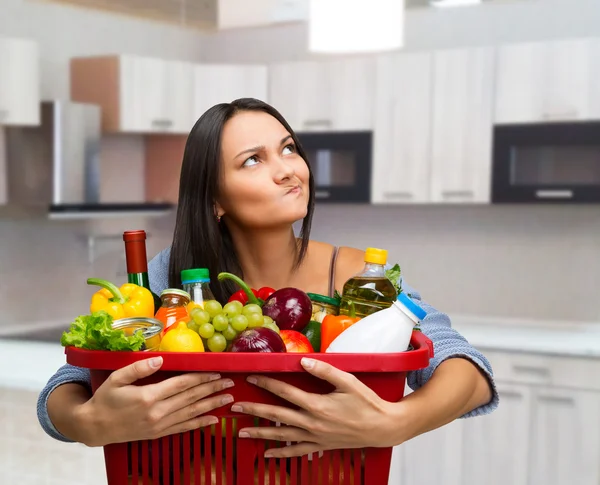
(208, 452)
(229, 447)
(197, 456)
(335, 464)
(357, 467)
(346, 455)
(294, 471)
(133, 459)
(185, 457)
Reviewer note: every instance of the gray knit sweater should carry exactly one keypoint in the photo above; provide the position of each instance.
(448, 343)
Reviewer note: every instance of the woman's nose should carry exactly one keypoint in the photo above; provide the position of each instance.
(284, 171)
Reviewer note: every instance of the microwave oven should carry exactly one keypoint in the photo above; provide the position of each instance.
(546, 163)
(341, 164)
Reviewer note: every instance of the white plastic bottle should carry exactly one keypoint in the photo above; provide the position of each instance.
(385, 331)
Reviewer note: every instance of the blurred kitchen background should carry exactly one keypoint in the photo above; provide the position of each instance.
(471, 153)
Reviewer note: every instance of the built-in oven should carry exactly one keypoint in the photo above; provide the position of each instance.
(551, 162)
(341, 164)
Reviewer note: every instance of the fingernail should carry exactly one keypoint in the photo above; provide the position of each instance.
(155, 362)
(244, 434)
(268, 454)
(227, 399)
(252, 380)
(214, 377)
(307, 363)
(236, 408)
(213, 421)
(227, 384)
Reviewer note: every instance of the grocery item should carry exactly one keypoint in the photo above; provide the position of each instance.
(322, 306)
(370, 290)
(262, 294)
(137, 262)
(259, 339)
(129, 300)
(150, 328)
(290, 309)
(96, 332)
(196, 282)
(174, 307)
(313, 333)
(388, 330)
(333, 326)
(181, 339)
(296, 342)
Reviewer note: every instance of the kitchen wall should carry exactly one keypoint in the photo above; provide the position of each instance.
(427, 28)
(519, 261)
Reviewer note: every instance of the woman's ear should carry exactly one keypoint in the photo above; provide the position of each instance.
(219, 212)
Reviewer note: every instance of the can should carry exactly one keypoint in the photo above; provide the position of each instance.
(151, 329)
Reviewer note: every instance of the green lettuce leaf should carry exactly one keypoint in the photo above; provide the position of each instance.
(95, 332)
(393, 274)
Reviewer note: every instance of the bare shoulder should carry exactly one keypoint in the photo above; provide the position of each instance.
(350, 261)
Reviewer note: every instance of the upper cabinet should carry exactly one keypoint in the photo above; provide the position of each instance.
(259, 13)
(462, 125)
(550, 81)
(137, 94)
(214, 84)
(402, 138)
(323, 96)
(19, 82)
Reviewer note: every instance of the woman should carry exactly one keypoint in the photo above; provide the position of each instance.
(244, 181)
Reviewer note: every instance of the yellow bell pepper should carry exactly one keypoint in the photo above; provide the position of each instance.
(128, 301)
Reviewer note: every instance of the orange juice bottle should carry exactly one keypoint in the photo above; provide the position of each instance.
(174, 307)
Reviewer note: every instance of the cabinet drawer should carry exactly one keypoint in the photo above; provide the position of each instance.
(567, 372)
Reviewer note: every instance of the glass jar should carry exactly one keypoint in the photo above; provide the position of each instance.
(322, 306)
(197, 283)
(174, 307)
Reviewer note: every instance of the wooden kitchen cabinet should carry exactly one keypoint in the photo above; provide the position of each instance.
(325, 95)
(214, 84)
(548, 81)
(137, 94)
(19, 82)
(402, 137)
(462, 125)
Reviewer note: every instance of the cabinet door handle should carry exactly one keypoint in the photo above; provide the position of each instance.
(540, 372)
(322, 194)
(458, 194)
(313, 123)
(557, 400)
(554, 194)
(561, 115)
(398, 195)
(164, 123)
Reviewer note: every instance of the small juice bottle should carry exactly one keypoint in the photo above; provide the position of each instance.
(174, 307)
(370, 290)
(197, 283)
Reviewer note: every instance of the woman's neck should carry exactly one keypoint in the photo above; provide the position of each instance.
(267, 258)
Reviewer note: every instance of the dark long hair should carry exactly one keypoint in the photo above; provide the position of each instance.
(199, 241)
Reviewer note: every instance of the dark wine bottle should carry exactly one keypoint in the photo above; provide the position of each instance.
(137, 262)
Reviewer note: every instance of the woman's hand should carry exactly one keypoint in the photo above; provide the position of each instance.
(120, 411)
(352, 416)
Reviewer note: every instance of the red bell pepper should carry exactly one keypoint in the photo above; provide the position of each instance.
(247, 294)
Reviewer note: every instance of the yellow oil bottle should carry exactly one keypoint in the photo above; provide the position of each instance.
(370, 290)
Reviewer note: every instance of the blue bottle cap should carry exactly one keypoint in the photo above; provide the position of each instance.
(415, 309)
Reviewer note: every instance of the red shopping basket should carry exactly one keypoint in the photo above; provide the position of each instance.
(214, 455)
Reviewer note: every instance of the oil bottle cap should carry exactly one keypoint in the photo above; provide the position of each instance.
(196, 275)
(376, 256)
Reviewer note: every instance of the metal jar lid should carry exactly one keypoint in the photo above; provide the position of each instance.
(149, 327)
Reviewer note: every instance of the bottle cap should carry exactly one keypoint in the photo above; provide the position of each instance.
(196, 275)
(411, 306)
(376, 256)
(132, 236)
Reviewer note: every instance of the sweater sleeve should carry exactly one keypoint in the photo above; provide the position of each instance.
(448, 344)
(66, 374)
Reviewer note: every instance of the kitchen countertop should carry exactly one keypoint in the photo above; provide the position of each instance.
(35, 357)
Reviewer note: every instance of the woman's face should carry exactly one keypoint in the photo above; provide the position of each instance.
(265, 182)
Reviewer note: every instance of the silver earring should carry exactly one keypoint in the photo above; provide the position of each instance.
(218, 219)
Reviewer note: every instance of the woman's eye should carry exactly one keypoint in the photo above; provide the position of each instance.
(250, 162)
(288, 149)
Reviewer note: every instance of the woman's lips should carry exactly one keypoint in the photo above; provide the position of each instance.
(294, 190)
